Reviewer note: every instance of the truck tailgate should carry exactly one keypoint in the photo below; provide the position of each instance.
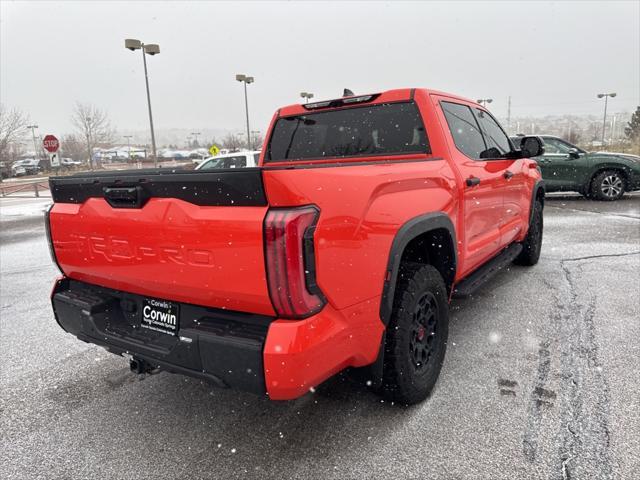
(192, 237)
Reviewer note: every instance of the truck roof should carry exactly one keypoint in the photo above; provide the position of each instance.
(394, 95)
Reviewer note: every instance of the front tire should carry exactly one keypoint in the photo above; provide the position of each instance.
(416, 339)
(532, 244)
(608, 186)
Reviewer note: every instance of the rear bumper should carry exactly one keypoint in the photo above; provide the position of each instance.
(219, 346)
(282, 358)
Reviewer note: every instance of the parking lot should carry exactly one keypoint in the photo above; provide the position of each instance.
(541, 380)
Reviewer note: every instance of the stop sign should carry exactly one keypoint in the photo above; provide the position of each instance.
(50, 143)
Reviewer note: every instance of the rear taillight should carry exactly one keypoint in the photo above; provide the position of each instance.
(47, 229)
(290, 258)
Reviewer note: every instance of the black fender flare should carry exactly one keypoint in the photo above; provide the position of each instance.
(537, 187)
(407, 232)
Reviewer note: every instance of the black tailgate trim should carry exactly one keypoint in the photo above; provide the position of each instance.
(218, 345)
(240, 187)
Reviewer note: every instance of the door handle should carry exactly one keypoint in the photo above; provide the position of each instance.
(471, 181)
(508, 174)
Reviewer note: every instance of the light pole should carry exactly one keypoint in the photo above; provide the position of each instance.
(35, 145)
(484, 101)
(149, 49)
(604, 120)
(306, 96)
(195, 134)
(245, 79)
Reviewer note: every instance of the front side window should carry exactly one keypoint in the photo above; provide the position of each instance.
(497, 141)
(384, 129)
(464, 129)
(553, 145)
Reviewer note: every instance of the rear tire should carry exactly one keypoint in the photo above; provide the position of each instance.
(532, 244)
(608, 186)
(416, 338)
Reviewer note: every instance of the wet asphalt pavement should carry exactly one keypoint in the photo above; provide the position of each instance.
(541, 380)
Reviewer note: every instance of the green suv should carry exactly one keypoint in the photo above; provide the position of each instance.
(598, 175)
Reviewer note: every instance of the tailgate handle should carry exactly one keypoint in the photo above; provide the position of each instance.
(125, 197)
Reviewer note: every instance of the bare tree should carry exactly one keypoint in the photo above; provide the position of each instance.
(232, 142)
(72, 146)
(256, 141)
(93, 125)
(574, 134)
(208, 143)
(13, 125)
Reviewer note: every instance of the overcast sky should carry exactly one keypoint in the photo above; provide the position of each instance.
(552, 58)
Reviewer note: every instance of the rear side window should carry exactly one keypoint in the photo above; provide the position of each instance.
(236, 162)
(385, 129)
(464, 129)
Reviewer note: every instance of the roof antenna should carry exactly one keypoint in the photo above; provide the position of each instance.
(347, 93)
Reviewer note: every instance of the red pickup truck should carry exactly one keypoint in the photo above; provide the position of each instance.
(343, 248)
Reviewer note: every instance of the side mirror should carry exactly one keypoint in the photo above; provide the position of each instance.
(574, 153)
(531, 147)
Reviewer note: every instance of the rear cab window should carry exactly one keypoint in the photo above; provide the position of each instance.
(364, 131)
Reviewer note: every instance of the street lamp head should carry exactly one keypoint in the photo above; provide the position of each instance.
(489, 100)
(152, 49)
(248, 79)
(612, 95)
(241, 77)
(132, 44)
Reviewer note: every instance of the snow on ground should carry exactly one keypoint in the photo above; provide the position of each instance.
(14, 207)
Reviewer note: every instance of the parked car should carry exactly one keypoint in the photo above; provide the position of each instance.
(230, 160)
(341, 250)
(598, 175)
(27, 166)
(69, 162)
